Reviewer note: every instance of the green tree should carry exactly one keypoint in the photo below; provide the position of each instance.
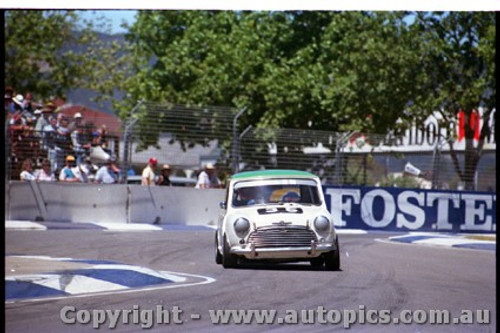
(51, 52)
(458, 74)
(320, 70)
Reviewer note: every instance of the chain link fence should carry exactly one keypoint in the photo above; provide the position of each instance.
(189, 137)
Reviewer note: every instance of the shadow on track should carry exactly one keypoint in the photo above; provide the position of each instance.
(280, 266)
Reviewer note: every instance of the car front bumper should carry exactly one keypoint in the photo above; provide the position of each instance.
(249, 251)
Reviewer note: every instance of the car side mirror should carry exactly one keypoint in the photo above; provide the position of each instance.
(222, 205)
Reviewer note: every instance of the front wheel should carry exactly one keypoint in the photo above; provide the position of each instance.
(218, 256)
(317, 262)
(228, 260)
(332, 259)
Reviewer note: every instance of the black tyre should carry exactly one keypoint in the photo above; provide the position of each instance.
(218, 256)
(332, 259)
(317, 262)
(228, 260)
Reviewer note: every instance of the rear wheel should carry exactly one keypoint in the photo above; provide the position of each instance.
(332, 259)
(228, 260)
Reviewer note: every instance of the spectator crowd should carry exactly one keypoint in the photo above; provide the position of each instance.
(48, 145)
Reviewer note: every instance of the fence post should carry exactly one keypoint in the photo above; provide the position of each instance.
(242, 134)
(339, 155)
(236, 142)
(365, 162)
(8, 167)
(436, 159)
(131, 121)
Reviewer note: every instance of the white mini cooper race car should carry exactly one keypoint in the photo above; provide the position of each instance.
(277, 216)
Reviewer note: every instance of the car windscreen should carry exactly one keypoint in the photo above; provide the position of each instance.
(275, 192)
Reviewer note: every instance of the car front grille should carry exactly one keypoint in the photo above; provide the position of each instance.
(282, 236)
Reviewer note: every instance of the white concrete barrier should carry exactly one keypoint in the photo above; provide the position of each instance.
(31, 201)
(174, 205)
(112, 203)
(144, 207)
(186, 205)
(22, 204)
(85, 202)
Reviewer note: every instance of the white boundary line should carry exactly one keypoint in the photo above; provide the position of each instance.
(127, 226)
(441, 246)
(351, 231)
(24, 225)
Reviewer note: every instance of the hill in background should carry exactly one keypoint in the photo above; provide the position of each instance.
(87, 97)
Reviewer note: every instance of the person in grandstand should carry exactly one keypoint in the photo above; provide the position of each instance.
(81, 143)
(108, 173)
(27, 170)
(148, 173)
(207, 178)
(68, 174)
(46, 112)
(62, 140)
(45, 174)
(164, 177)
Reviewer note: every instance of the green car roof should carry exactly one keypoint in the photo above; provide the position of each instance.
(271, 173)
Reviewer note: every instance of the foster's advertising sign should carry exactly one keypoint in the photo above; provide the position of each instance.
(396, 209)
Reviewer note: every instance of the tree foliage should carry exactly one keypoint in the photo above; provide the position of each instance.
(335, 71)
(51, 52)
(458, 74)
(324, 70)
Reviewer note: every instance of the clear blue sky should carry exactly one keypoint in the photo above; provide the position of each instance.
(115, 17)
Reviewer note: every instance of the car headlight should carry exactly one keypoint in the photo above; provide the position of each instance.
(241, 226)
(321, 223)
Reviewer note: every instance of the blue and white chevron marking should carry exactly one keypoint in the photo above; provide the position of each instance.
(453, 241)
(93, 277)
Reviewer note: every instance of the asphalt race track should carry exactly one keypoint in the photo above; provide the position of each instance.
(375, 276)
